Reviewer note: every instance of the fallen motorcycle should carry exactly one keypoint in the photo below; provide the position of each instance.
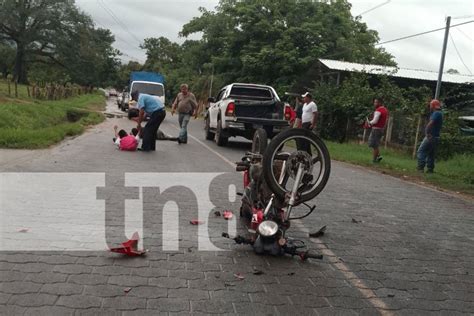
(278, 176)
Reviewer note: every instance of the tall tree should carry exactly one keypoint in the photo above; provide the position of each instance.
(278, 41)
(33, 26)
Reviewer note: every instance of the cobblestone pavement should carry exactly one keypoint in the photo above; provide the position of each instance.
(409, 251)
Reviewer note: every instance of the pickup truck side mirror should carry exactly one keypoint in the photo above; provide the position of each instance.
(211, 100)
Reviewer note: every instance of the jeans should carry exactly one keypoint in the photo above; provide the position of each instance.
(426, 153)
(150, 129)
(302, 144)
(183, 120)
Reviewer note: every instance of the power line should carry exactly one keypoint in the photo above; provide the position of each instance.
(374, 8)
(467, 36)
(119, 38)
(459, 55)
(117, 20)
(422, 33)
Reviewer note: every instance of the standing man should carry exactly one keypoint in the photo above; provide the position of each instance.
(150, 105)
(377, 124)
(427, 150)
(186, 104)
(309, 114)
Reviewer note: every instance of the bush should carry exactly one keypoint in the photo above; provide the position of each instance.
(451, 145)
(74, 115)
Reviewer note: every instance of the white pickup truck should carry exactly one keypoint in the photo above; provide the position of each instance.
(239, 109)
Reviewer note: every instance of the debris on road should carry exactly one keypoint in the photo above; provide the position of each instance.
(196, 222)
(258, 272)
(127, 289)
(291, 273)
(228, 215)
(356, 221)
(217, 214)
(129, 247)
(239, 276)
(319, 233)
(23, 230)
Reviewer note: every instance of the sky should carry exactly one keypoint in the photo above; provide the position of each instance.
(132, 21)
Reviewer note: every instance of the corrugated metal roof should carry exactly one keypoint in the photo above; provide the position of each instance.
(395, 72)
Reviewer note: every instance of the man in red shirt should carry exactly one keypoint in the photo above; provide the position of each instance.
(378, 126)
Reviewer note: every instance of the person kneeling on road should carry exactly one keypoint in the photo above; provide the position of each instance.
(150, 105)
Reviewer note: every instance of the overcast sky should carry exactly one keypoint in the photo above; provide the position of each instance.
(154, 18)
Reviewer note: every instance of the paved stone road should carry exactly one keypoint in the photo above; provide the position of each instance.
(411, 253)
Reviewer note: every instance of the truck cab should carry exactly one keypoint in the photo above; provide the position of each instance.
(152, 88)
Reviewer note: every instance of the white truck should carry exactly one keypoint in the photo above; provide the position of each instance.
(240, 109)
(151, 83)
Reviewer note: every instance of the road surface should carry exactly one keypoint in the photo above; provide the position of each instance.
(391, 247)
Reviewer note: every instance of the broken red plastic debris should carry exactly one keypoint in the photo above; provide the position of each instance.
(228, 215)
(239, 276)
(196, 222)
(129, 247)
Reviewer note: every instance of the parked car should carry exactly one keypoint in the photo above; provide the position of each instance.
(113, 92)
(240, 109)
(125, 101)
(119, 99)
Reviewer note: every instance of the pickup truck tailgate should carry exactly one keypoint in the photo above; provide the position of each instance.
(259, 109)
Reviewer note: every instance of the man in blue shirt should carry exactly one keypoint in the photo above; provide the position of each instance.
(150, 105)
(427, 150)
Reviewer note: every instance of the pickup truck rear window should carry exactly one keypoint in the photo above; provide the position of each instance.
(152, 89)
(251, 93)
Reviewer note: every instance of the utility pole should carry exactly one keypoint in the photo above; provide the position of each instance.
(443, 55)
(212, 79)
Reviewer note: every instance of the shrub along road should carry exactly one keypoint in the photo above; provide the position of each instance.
(407, 251)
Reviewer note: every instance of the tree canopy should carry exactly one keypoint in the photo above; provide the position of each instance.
(266, 41)
(55, 34)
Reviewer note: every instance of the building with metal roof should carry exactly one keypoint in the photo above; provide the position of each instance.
(416, 74)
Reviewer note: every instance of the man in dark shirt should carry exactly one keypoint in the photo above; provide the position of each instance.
(427, 150)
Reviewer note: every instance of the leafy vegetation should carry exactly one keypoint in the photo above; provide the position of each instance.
(456, 174)
(25, 123)
(268, 42)
(53, 41)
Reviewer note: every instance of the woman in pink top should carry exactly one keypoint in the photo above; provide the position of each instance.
(125, 141)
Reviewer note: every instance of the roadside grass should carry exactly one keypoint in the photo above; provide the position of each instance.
(455, 174)
(31, 124)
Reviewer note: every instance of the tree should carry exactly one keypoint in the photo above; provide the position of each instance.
(279, 42)
(162, 54)
(48, 34)
(33, 26)
(7, 59)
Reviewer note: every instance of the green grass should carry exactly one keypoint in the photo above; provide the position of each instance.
(455, 174)
(28, 123)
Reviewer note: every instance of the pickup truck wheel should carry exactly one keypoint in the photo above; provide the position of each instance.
(207, 128)
(221, 140)
(260, 140)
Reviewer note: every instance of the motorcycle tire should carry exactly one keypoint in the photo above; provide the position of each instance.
(277, 143)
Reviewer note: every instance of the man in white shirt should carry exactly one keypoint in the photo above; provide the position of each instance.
(308, 119)
(310, 112)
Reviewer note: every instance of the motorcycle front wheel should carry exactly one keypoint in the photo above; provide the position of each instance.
(288, 150)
